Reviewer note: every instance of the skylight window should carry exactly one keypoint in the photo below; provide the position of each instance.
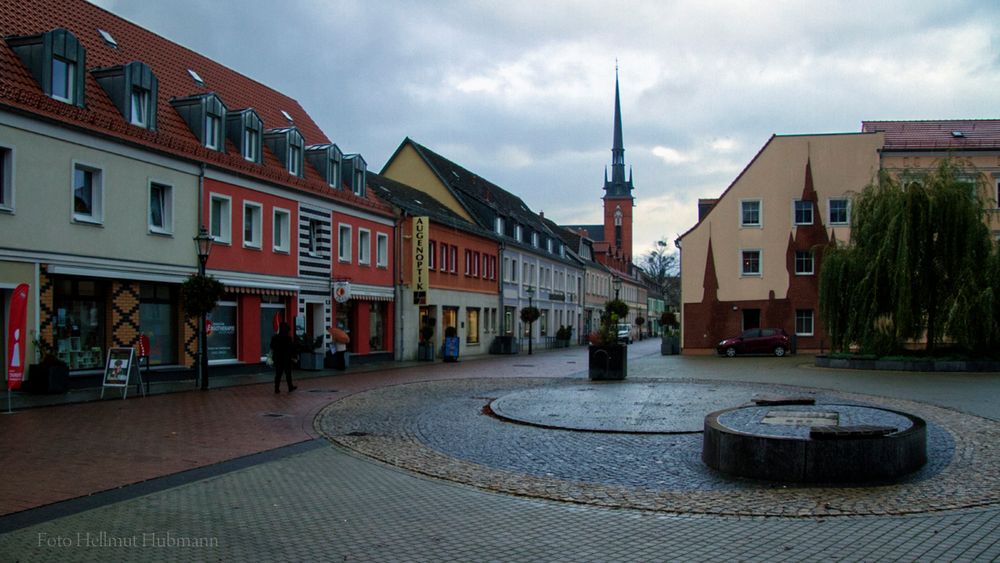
(196, 77)
(957, 134)
(107, 38)
(288, 117)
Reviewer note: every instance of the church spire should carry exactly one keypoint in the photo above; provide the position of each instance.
(618, 186)
(618, 146)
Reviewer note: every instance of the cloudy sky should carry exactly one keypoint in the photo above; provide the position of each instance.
(522, 92)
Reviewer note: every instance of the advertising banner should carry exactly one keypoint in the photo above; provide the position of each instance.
(17, 336)
(421, 269)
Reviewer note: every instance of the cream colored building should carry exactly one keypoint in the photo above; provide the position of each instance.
(753, 260)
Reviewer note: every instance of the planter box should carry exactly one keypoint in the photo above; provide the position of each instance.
(670, 345)
(47, 378)
(425, 352)
(312, 361)
(608, 362)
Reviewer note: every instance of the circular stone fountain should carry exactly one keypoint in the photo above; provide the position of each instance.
(800, 441)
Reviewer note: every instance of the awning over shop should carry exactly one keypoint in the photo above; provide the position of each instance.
(259, 287)
(364, 292)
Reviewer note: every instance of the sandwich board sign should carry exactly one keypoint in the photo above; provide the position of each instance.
(118, 370)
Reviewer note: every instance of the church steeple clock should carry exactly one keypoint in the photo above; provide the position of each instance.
(618, 199)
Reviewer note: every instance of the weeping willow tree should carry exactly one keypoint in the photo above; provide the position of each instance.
(920, 264)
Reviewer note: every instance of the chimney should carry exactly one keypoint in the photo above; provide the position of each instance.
(541, 214)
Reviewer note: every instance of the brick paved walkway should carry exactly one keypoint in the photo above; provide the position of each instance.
(317, 502)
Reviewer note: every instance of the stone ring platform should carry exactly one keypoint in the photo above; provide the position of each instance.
(640, 448)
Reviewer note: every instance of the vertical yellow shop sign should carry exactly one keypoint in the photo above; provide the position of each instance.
(421, 226)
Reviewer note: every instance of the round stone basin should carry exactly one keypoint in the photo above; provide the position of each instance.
(814, 443)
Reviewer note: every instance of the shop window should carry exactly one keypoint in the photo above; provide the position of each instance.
(364, 246)
(382, 250)
(376, 326)
(252, 213)
(220, 218)
(161, 208)
(79, 326)
(6, 178)
(222, 342)
(88, 193)
(281, 230)
(158, 321)
(472, 326)
(449, 317)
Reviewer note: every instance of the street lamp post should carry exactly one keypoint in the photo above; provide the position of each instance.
(531, 292)
(617, 284)
(203, 245)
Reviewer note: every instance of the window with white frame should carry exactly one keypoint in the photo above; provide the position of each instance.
(750, 213)
(499, 225)
(453, 260)
(475, 264)
(750, 262)
(281, 230)
(803, 212)
(220, 219)
(251, 144)
(364, 246)
(252, 217)
(295, 160)
(534, 239)
(88, 193)
(344, 243)
(804, 263)
(7, 178)
(431, 254)
(839, 211)
(444, 257)
(468, 262)
(382, 250)
(161, 208)
(803, 322)
(517, 233)
(213, 131)
(63, 76)
(140, 106)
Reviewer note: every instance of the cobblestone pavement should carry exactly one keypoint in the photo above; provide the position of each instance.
(324, 503)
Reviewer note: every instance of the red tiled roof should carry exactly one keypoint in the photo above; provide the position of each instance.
(170, 63)
(937, 134)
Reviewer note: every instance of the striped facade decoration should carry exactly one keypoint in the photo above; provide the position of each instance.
(314, 256)
(46, 309)
(123, 315)
(189, 337)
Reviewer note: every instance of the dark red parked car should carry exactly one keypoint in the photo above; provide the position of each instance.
(756, 341)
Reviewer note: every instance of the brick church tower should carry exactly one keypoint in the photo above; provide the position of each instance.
(618, 199)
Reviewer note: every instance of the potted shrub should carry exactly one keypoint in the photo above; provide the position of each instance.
(563, 335)
(639, 321)
(449, 350)
(50, 375)
(309, 358)
(425, 349)
(608, 358)
(528, 316)
(670, 340)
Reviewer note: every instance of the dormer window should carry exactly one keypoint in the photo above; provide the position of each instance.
(204, 114)
(133, 89)
(499, 225)
(62, 79)
(355, 169)
(327, 160)
(244, 129)
(534, 239)
(286, 144)
(56, 60)
(517, 233)
(140, 106)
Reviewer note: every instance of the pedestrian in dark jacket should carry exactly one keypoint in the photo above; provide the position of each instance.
(282, 352)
